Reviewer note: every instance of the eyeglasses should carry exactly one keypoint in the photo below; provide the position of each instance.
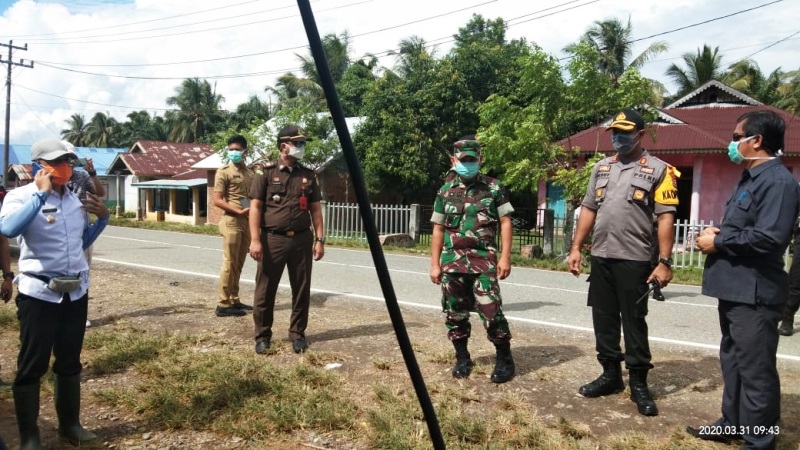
(737, 137)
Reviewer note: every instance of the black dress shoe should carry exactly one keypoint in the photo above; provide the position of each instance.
(299, 345)
(463, 368)
(242, 306)
(229, 312)
(262, 345)
(705, 434)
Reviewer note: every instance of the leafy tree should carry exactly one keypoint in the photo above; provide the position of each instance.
(198, 112)
(355, 84)
(413, 55)
(700, 68)
(75, 132)
(489, 64)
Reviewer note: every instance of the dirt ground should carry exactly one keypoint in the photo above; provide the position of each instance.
(551, 364)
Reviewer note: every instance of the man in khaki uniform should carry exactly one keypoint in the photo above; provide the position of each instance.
(231, 189)
(285, 203)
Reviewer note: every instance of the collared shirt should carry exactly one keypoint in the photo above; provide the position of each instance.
(756, 228)
(626, 197)
(80, 183)
(52, 232)
(284, 191)
(234, 183)
(470, 215)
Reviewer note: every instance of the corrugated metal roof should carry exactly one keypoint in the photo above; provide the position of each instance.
(101, 157)
(706, 128)
(171, 184)
(160, 159)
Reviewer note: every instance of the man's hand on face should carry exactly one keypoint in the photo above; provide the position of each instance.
(43, 180)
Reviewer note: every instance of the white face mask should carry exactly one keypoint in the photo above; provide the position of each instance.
(298, 150)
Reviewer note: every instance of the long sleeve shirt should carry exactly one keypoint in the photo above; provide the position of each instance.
(52, 230)
(755, 231)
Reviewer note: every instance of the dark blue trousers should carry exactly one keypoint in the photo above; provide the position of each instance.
(751, 398)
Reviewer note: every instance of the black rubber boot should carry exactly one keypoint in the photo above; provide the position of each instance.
(26, 406)
(640, 394)
(609, 382)
(463, 365)
(787, 326)
(67, 391)
(504, 367)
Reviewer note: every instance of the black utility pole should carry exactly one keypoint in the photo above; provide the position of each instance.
(11, 63)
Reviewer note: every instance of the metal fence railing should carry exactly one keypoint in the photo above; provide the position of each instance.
(343, 220)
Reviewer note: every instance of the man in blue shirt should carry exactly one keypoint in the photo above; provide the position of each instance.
(52, 229)
(745, 271)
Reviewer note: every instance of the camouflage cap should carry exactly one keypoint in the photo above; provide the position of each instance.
(467, 146)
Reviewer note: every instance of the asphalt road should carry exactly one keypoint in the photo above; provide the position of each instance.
(687, 319)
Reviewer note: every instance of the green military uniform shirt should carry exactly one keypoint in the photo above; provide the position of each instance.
(470, 215)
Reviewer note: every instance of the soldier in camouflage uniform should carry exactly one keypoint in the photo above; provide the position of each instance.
(464, 257)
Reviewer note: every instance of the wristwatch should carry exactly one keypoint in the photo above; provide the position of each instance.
(93, 173)
(666, 261)
(8, 275)
(321, 240)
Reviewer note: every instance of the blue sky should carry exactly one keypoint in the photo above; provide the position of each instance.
(117, 57)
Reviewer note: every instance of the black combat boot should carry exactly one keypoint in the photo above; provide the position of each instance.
(504, 367)
(609, 382)
(640, 394)
(787, 325)
(26, 406)
(463, 364)
(67, 392)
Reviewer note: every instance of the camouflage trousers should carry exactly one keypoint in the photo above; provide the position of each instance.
(479, 292)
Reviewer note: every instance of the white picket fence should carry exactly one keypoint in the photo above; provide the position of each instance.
(686, 254)
(343, 220)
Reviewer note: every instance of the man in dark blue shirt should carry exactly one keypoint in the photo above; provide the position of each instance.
(745, 271)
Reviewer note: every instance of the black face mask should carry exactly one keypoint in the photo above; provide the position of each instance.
(623, 143)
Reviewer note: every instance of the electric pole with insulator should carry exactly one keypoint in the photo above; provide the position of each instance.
(10, 62)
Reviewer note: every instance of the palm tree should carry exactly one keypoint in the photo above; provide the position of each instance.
(790, 93)
(100, 130)
(198, 112)
(613, 41)
(75, 133)
(252, 110)
(307, 88)
(412, 55)
(746, 76)
(701, 67)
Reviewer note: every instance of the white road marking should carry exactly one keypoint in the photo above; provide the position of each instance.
(421, 305)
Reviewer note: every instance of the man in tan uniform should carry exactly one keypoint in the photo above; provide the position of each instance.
(285, 202)
(231, 188)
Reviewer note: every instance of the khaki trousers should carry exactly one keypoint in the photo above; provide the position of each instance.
(235, 248)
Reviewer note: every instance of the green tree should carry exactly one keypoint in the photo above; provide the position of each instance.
(355, 84)
(747, 77)
(789, 92)
(75, 132)
(100, 131)
(254, 110)
(612, 40)
(198, 112)
(700, 68)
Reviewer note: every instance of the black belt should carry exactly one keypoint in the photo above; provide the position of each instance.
(288, 233)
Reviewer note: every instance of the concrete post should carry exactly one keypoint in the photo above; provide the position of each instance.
(549, 231)
(415, 222)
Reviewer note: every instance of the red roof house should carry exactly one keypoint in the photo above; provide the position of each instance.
(693, 134)
(163, 186)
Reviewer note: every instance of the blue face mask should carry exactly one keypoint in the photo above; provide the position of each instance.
(623, 143)
(235, 156)
(467, 169)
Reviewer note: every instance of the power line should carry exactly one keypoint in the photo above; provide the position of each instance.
(10, 63)
(182, 33)
(140, 22)
(693, 25)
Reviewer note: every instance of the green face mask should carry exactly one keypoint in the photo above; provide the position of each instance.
(235, 156)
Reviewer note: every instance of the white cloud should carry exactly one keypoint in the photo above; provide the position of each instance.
(92, 34)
